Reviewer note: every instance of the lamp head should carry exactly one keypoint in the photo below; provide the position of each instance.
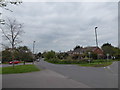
(96, 27)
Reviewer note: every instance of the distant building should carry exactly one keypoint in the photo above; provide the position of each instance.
(81, 50)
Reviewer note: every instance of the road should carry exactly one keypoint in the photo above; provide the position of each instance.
(64, 76)
(41, 79)
(94, 77)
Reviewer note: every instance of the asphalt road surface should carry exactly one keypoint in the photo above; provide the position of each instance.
(64, 76)
(94, 77)
(42, 79)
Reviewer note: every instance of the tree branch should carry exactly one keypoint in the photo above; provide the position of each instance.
(6, 36)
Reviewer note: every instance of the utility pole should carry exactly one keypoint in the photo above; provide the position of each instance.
(33, 51)
(96, 36)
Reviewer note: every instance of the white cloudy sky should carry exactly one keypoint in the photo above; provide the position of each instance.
(60, 26)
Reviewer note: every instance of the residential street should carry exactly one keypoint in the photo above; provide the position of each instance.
(59, 44)
(64, 76)
(95, 77)
(42, 79)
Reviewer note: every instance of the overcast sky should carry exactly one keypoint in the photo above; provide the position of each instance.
(61, 26)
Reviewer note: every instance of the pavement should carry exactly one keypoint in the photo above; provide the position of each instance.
(64, 76)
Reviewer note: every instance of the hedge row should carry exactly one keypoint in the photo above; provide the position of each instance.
(58, 61)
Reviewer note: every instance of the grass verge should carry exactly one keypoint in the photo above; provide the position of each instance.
(96, 64)
(0, 70)
(19, 69)
(93, 63)
(20, 62)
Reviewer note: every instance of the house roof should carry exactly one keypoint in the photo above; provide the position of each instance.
(86, 49)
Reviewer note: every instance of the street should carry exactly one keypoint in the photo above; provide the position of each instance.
(64, 76)
(42, 79)
(95, 77)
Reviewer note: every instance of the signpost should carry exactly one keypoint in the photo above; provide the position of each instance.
(107, 56)
(89, 56)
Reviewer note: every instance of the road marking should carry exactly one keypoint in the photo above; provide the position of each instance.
(108, 69)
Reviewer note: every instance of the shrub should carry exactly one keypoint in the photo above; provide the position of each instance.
(49, 55)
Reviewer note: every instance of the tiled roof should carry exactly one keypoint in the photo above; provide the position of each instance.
(93, 49)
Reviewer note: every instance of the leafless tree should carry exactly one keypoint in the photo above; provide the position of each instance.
(12, 30)
(3, 5)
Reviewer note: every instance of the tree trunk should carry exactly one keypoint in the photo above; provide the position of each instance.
(24, 63)
(13, 59)
(13, 56)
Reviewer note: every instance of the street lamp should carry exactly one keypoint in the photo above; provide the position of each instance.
(96, 36)
(33, 51)
(33, 46)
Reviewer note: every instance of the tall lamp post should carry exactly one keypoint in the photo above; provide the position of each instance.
(33, 51)
(96, 36)
(96, 40)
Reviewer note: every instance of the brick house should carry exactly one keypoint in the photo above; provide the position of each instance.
(81, 50)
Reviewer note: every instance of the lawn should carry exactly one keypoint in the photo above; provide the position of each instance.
(102, 64)
(19, 69)
(0, 70)
(20, 62)
(93, 63)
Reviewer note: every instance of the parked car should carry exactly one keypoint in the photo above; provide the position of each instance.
(15, 62)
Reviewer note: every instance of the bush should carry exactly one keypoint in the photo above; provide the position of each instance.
(49, 55)
(6, 56)
(20, 53)
(65, 61)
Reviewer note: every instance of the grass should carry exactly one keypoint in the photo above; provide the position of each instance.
(19, 69)
(96, 64)
(0, 70)
(20, 62)
(5, 63)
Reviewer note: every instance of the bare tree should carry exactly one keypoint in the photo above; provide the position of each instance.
(3, 5)
(12, 31)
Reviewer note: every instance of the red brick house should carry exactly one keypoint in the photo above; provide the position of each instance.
(81, 50)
